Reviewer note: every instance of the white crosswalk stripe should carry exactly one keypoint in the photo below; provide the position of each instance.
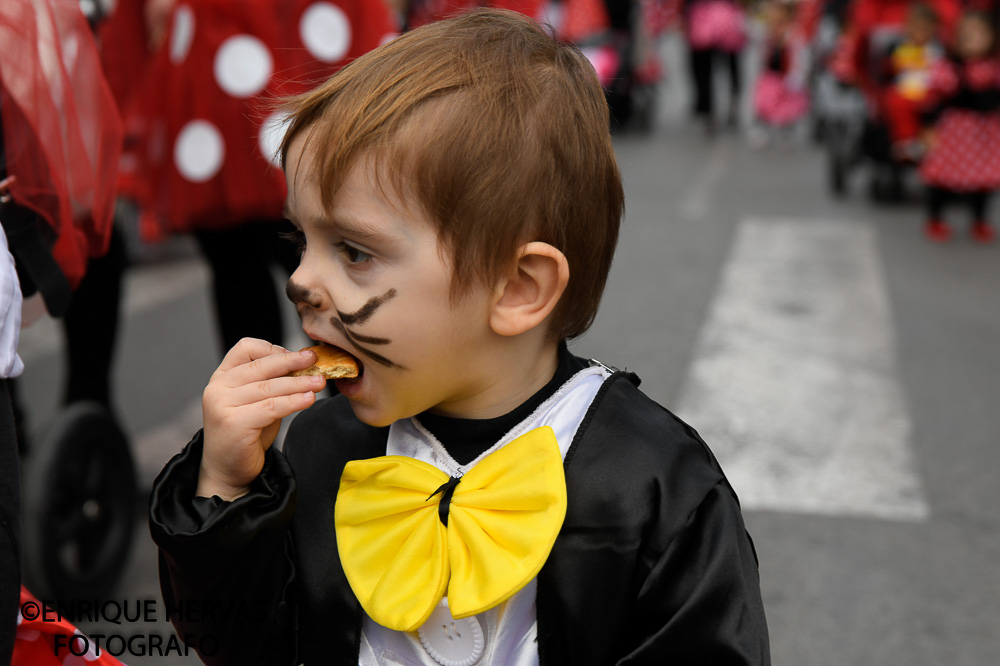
(793, 381)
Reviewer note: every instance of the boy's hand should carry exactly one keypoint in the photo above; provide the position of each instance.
(243, 405)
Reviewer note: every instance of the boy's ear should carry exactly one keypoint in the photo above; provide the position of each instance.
(530, 290)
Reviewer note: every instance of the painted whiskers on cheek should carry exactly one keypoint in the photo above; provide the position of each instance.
(354, 338)
(367, 310)
(362, 315)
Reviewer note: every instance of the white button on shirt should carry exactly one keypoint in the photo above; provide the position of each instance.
(452, 642)
(10, 313)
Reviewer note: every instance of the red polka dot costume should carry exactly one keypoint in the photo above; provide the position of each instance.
(208, 108)
(965, 155)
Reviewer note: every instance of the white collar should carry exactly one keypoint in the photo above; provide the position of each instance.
(563, 411)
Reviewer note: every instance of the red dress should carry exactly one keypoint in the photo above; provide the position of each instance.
(965, 155)
(210, 129)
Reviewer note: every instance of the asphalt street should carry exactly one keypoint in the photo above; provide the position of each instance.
(845, 371)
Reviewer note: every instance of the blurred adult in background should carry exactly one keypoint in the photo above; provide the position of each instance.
(60, 146)
(60, 139)
(10, 487)
(716, 35)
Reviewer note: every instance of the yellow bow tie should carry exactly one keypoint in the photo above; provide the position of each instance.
(407, 533)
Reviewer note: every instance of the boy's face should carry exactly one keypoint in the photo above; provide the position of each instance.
(374, 280)
(919, 29)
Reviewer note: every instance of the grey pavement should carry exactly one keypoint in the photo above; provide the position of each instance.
(844, 583)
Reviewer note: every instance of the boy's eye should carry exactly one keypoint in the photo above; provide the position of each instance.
(353, 254)
(296, 238)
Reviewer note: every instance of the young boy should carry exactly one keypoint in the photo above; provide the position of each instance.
(478, 494)
(906, 98)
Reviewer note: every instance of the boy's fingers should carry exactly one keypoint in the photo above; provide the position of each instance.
(274, 388)
(260, 415)
(270, 366)
(248, 350)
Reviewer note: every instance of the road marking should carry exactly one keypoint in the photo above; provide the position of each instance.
(695, 205)
(793, 382)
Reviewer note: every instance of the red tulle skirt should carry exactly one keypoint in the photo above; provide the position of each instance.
(61, 129)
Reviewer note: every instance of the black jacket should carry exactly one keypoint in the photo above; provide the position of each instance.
(652, 566)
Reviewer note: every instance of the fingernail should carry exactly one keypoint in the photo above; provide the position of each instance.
(306, 354)
(315, 379)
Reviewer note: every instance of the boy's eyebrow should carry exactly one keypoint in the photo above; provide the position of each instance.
(347, 226)
(354, 228)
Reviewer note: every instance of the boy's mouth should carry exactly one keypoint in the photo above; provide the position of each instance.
(334, 363)
(361, 365)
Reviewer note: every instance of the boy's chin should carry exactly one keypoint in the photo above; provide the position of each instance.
(370, 415)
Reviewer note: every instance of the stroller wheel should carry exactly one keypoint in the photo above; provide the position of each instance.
(79, 506)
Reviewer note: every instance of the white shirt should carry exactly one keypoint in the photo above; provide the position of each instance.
(509, 630)
(10, 313)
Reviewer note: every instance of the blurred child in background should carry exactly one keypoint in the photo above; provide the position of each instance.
(781, 97)
(909, 75)
(964, 148)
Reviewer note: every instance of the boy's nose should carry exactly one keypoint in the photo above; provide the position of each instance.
(299, 294)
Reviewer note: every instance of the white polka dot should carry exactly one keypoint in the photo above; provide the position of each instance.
(325, 31)
(272, 131)
(199, 151)
(182, 34)
(387, 37)
(243, 65)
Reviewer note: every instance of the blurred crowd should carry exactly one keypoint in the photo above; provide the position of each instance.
(186, 141)
(164, 115)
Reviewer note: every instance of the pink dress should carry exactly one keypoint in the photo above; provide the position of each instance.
(717, 24)
(778, 99)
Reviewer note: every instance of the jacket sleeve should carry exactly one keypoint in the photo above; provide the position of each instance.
(701, 602)
(226, 568)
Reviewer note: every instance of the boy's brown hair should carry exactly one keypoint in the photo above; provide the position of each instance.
(497, 130)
